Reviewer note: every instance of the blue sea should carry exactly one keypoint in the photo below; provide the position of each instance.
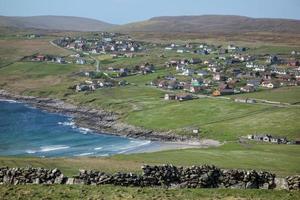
(28, 131)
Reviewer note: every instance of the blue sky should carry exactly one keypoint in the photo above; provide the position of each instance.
(125, 11)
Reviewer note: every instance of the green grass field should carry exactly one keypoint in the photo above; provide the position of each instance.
(274, 158)
(103, 192)
(280, 159)
(284, 95)
(143, 106)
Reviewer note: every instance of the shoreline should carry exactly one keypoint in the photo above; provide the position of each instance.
(105, 122)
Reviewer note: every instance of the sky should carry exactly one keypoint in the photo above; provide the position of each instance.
(126, 11)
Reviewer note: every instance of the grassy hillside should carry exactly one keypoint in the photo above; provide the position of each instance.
(212, 24)
(143, 106)
(14, 48)
(65, 23)
(280, 159)
(284, 95)
(56, 192)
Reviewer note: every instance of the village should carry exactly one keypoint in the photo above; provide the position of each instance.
(191, 69)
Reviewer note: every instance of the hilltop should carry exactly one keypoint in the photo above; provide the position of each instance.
(61, 23)
(225, 24)
(212, 24)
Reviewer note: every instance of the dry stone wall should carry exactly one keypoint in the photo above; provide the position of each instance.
(206, 176)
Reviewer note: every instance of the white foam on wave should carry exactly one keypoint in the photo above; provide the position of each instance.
(104, 155)
(9, 100)
(84, 130)
(133, 145)
(53, 148)
(85, 154)
(68, 123)
(98, 148)
(72, 124)
(30, 151)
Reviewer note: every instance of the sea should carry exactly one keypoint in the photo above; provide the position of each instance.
(27, 131)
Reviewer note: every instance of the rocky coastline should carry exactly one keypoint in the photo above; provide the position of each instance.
(102, 121)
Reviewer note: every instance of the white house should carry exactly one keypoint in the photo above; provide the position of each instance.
(259, 69)
(188, 72)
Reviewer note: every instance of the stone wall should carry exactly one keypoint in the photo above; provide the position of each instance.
(206, 176)
(31, 176)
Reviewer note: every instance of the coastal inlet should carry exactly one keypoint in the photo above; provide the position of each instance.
(27, 131)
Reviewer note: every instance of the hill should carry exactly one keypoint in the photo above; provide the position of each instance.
(63, 23)
(212, 24)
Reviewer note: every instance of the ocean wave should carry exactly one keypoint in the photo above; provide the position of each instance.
(30, 151)
(133, 145)
(84, 130)
(103, 155)
(98, 148)
(53, 148)
(72, 124)
(9, 101)
(68, 123)
(85, 154)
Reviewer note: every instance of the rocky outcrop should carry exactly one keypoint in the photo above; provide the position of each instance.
(95, 119)
(169, 176)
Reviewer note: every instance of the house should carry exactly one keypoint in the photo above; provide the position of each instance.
(123, 72)
(184, 97)
(227, 91)
(94, 51)
(202, 73)
(60, 60)
(195, 89)
(181, 67)
(123, 83)
(269, 84)
(172, 85)
(216, 76)
(201, 52)
(132, 49)
(80, 61)
(247, 89)
(170, 97)
(194, 61)
(251, 65)
(231, 48)
(273, 59)
(147, 68)
(107, 39)
(196, 82)
(254, 83)
(259, 68)
(216, 93)
(188, 72)
(40, 58)
(84, 87)
(163, 84)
